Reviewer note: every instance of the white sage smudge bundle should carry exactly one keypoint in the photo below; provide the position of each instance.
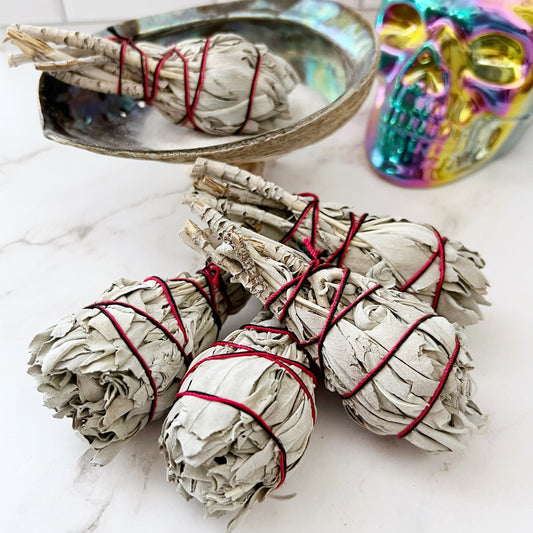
(399, 367)
(400, 254)
(222, 85)
(242, 419)
(117, 364)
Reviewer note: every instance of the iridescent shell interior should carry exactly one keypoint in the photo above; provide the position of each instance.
(332, 48)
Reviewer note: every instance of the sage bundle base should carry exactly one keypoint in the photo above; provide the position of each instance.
(221, 85)
(116, 364)
(242, 419)
(399, 367)
(400, 254)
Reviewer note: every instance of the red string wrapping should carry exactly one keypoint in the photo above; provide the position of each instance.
(173, 307)
(252, 94)
(311, 207)
(282, 362)
(199, 85)
(287, 365)
(281, 331)
(143, 60)
(213, 278)
(214, 281)
(437, 392)
(190, 107)
(254, 415)
(441, 241)
(133, 349)
(315, 265)
(412, 328)
(339, 255)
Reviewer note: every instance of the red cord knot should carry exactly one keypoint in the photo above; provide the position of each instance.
(215, 286)
(313, 252)
(213, 276)
(312, 207)
(214, 273)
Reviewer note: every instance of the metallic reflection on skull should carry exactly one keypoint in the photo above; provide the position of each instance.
(454, 86)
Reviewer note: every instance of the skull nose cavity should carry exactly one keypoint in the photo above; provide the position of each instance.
(446, 35)
(424, 58)
(425, 73)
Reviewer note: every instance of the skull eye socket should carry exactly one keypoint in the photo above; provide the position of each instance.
(496, 58)
(401, 27)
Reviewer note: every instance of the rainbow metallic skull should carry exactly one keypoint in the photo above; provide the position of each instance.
(454, 86)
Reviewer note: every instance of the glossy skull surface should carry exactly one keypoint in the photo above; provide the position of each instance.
(454, 86)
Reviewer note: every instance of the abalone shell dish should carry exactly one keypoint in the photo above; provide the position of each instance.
(332, 47)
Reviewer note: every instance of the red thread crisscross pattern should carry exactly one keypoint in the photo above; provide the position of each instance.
(388, 356)
(334, 316)
(312, 207)
(149, 95)
(214, 281)
(241, 350)
(338, 256)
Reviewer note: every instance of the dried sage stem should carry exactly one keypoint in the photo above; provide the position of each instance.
(221, 86)
(409, 256)
(117, 364)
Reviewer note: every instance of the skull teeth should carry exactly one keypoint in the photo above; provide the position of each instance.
(410, 125)
(401, 148)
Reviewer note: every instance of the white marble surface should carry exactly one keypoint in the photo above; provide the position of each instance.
(72, 221)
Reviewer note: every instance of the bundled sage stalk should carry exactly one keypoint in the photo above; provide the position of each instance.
(117, 364)
(400, 254)
(222, 86)
(242, 419)
(400, 368)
